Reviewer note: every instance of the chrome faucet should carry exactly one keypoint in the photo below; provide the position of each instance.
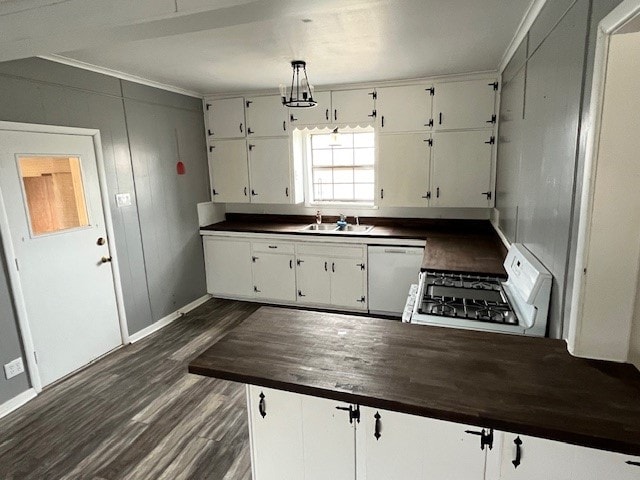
(318, 217)
(357, 219)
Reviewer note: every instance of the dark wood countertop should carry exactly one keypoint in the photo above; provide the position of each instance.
(466, 246)
(530, 386)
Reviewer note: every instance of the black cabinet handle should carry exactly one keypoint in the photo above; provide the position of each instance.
(325, 266)
(291, 264)
(518, 444)
(261, 406)
(286, 191)
(381, 193)
(284, 125)
(382, 121)
(378, 426)
(300, 293)
(335, 114)
(333, 267)
(437, 192)
(241, 128)
(245, 191)
(273, 246)
(326, 114)
(440, 118)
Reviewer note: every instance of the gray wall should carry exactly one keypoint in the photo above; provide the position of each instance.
(544, 104)
(156, 237)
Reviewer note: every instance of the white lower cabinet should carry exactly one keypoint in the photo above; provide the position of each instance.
(333, 275)
(228, 267)
(397, 445)
(275, 424)
(274, 276)
(530, 458)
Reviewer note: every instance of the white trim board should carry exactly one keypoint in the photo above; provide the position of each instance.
(164, 321)
(118, 74)
(16, 402)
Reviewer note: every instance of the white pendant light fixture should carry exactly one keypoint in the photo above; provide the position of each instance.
(301, 93)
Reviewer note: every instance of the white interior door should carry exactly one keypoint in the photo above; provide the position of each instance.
(50, 187)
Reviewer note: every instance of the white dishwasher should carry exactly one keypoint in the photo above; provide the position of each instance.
(392, 270)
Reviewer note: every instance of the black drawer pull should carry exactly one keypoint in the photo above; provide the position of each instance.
(325, 266)
(333, 267)
(518, 444)
(326, 114)
(273, 246)
(261, 406)
(241, 128)
(291, 264)
(378, 426)
(440, 118)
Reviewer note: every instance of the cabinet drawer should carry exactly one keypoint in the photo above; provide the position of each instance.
(348, 251)
(273, 247)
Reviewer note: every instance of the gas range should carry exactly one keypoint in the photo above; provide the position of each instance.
(517, 304)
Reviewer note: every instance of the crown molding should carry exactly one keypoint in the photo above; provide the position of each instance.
(521, 32)
(118, 74)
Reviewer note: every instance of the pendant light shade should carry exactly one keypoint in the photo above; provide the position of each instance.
(301, 93)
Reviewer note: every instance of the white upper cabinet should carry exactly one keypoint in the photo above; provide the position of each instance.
(354, 107)
(464, 105)
(403, 170)
(270, 170)
(226, 118)
(461, 169)
(229, 174)
(404, 109)
(266, 117)
(321, 114)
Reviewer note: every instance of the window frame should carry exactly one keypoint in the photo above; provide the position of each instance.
(310, 201)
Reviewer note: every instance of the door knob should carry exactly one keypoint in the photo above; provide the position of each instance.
(101, 241)
(105, 259)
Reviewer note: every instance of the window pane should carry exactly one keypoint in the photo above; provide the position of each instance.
(54, 193)
(320, 141)
(364, 175)
(323, 192)
(322, 158)
(322, 175)
(343, 175)
(343, 192)
(346, 140)
(364, 156)
(364, 140)
(343, 157)
(364, 191)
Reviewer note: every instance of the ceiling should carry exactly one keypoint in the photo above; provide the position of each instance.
(247, 46)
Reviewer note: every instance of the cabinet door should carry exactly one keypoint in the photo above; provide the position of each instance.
(403, 170)
(398, 451)
(461, 169)
(312, 279)
(267, 117)
(353, 107)
(538, 459)
(228, 267)
(229, 171)
(593, 464)
(276, 437)
(404, 109)
(328, 439)
(226, 118)
(270, 173)
(318, 115)
(274, 277)
(348, 283)
(406, 446)
(460, 105)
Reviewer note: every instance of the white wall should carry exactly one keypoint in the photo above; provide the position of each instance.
(613, 248)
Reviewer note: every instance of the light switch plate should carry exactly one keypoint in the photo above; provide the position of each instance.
(123, 199)
(13, 368)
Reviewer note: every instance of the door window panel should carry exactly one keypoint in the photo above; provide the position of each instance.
(54, 193)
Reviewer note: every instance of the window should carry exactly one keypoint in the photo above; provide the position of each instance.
(54, 193)
(342, 171)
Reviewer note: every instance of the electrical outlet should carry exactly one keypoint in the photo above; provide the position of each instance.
(13, 368)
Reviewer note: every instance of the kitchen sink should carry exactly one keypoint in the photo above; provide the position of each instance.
(332, 228)
(322, 227)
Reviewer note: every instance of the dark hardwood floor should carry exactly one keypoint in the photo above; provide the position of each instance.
(137, 413)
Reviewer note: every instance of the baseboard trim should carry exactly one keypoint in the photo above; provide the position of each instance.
(164, 321)
(16, 402)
